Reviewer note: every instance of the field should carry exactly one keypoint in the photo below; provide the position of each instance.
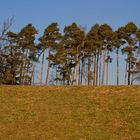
(69, 113)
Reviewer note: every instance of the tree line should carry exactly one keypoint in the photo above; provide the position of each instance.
(74, 56)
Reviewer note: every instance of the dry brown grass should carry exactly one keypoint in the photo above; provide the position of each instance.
(69, 113)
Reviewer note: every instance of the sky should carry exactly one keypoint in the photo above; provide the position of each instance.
(84, 12)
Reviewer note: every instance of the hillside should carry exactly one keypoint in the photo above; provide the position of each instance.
(69, 113)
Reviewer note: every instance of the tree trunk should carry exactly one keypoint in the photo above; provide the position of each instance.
(48, 69)
(56, 75)
(129, 73)
(103, 69)
(21, 70)
(73, 76)
(134, 70)
(97, 68)
(125, 74)
(94, 72)
(132, 79)
(107, 74)
(107, 68)
(42, 67)
(100, 67)
(24, 66)
(33, 73)
(83, 63)
(85, 75)
(78, 66)
(89, 66)
(117, 66)
(78, 73)
(82, 71)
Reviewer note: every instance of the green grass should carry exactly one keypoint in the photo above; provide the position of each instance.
(69, 113)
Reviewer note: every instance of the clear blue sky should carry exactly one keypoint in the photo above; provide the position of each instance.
(84, 12)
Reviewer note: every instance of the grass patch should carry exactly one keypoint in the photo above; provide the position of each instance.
(69, 113)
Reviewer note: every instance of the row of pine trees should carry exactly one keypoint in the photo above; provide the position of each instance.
(74, 56)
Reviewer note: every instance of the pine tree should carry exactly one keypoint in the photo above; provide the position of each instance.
(129, 33)
(106, 35)
(50, 40)
(93, 45)
(26, 41)
(73, 42)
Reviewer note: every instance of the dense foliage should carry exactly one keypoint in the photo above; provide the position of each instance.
(74, 57)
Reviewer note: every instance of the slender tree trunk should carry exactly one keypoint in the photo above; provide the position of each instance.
(24, 66)
(107, 74)
(107, 64)
(34, 70)
(134, 69)
(21, 70)
(78, 66)
(63, 81)
(95, 67)
(82, 69)
(48, 69)
(103, 69)
(29, 73)
(78, 72)
(100, 67)
(56, 75)
(68, 82)
(117, 66)
(89, 67)
(83, 63)
(33, 73)
(129, 73)
(85, 74)
(42, 67)
(132, 77)
(125, 74)
(68, 74)
(73, 76)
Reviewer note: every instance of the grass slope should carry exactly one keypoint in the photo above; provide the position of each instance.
(69, 113)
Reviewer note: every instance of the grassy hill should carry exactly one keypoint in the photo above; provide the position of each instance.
(69, 113)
